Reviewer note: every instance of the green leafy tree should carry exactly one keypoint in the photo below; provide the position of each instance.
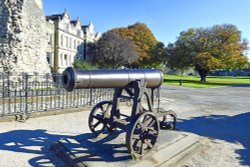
(113, 51)
(157, 55)
(205, 49)
(144, 42)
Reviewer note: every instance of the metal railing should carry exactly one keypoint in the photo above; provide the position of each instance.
(24, 94)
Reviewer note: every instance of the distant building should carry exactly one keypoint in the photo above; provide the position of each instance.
(68, 40)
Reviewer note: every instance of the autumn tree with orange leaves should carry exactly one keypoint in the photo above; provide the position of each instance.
(150, 51)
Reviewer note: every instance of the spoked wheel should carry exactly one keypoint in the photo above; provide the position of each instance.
(143, 134)
(168, 122)
(99, 118)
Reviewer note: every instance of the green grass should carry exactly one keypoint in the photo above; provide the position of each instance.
(194, 81)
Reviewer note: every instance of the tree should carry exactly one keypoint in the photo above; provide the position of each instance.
(205, 49)
(113, 51)
(144, 41)
(157, 55)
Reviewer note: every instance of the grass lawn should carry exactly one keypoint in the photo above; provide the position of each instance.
(212, 81)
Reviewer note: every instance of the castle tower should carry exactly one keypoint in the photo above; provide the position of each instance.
(39, 3)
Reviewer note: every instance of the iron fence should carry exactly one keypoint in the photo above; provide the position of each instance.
(24, 94)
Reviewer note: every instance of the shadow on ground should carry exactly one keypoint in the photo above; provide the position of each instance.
(34, 142)
(107, 148)
(234, 129)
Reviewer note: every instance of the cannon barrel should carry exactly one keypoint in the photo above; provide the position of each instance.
(113, 78)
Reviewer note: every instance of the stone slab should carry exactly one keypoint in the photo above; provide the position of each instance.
(172, 148)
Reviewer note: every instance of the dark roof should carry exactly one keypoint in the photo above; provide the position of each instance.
(73, 22)
(54, 17)
(84, 26)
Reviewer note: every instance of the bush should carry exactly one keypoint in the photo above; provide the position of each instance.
(79, 64)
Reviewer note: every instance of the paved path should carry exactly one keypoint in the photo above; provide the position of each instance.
(222, 114)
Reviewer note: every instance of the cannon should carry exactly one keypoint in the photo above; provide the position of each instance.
(144, 121)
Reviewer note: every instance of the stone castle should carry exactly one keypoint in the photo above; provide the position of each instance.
(33, 43)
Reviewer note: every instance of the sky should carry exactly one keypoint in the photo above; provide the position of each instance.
(165, 18)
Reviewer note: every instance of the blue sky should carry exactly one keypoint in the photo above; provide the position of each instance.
(166, 18)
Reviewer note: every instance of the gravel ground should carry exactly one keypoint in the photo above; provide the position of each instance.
(221, 114)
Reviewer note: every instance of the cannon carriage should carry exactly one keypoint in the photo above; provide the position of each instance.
(143, 122)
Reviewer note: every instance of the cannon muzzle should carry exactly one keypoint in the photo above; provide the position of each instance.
(113, 78)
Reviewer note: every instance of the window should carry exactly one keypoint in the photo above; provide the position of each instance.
(79, 32)
(49, 58)
(66, 26)
(74, 44)
(61, 58)
(61, 40)
(67, 42)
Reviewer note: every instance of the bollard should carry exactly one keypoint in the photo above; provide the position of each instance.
(180, 82)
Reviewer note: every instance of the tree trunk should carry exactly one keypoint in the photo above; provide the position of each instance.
(203, 74)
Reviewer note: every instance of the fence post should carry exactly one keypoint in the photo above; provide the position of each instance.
(26, 87)
(91, 97)
(47, 91)
(180, 82)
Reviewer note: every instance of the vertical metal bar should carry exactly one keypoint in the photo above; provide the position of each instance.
(8, 86)
(15, 98)
(58, 92)
(66, 99)
(21, 95)
(90, 97)
(47, 90)
(32, 96)
(50, 93)
(1, 75)
(37, 94)
(42, 82)
(26, 97)
(77, 99)
(3, 94)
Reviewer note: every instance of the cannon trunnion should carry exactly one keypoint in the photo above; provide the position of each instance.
(143, 123)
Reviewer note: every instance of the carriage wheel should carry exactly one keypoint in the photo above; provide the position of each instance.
(142, 134)
(168, 122)
(99, 118)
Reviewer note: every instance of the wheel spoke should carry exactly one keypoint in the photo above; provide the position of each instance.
(135, 137)
(141, 124)
(98, 123)
(149, 144)
(142, 149)
(135, 144)
(151, 136)
(99, 116)
(147, 121)
(143, 134)
(101, 107)
(152, 123)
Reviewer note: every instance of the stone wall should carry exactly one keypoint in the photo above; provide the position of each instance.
(23, 39)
